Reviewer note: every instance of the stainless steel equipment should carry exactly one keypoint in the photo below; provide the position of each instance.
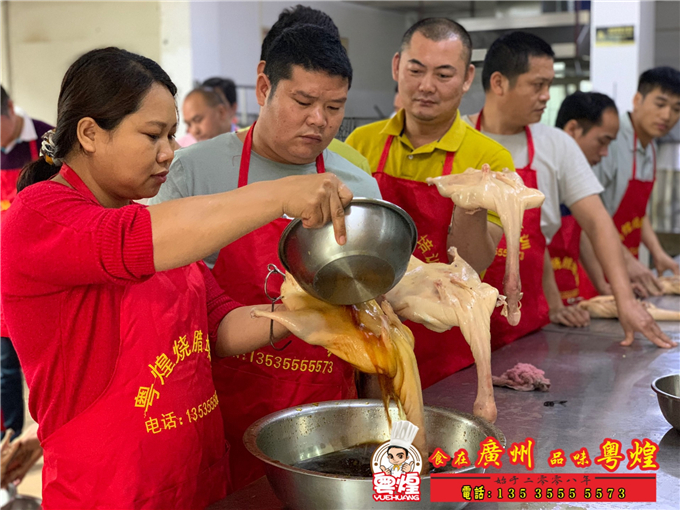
(380, 240)
(288, 437)
(13, 501)
(667, 390)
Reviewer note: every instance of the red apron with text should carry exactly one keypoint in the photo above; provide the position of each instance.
(8, 192)
(438, 354)
(256, 384)
(564, 252)
(532, 258)
(628, 217)
(154, 438)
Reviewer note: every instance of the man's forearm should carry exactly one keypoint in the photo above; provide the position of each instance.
(599, 227)
(590, 263)
(474, 238)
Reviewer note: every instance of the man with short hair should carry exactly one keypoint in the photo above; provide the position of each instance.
(518, 72)
(302, 93)
(427, 138)
(629, 171)
(592, 120)
(300, 15)
(20, 136)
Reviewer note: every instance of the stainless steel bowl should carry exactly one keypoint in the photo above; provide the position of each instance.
(13, 501)
(286, 438)
(667, 390)
(380, 240)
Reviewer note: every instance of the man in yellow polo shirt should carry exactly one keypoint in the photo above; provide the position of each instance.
(427, 138)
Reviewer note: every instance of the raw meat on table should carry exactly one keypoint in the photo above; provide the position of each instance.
(670, 284)
(523, 377)
(604, 307)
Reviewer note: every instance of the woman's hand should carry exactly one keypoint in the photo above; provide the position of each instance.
(20, 455)
(316, 200)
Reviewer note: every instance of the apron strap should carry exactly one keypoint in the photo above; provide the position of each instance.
(245, 157)
(385, 153)
(33, 147)
(448, 161)
(74, 180)
(635, 157)
(635, 154)
(244, 166)
(478, 124)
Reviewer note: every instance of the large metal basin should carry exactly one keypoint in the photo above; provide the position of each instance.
(380, 240)
(667, 390)
(288, 437)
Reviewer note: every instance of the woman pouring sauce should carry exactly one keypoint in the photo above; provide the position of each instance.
(113, 320)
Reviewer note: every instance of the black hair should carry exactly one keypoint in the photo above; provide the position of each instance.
(439, 29)
(298, 15)
(211, 95)
(586, 108)
(105, 84)
(4, 102)
(310, 47)
(664, 77)
(400, 447)
(224, 85)
(509, 55)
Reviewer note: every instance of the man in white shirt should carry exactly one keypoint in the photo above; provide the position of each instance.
(517, 74)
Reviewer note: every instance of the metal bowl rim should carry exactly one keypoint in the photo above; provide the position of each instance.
(252, 432)
(660, 392)
(360, 200)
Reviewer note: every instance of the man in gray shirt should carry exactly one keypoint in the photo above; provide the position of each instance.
(301, 93)
(629, 170)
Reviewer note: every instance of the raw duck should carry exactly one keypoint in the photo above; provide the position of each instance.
(369, 336)
(504, 193)
(670, 284)
(441, 296)
(604, 307)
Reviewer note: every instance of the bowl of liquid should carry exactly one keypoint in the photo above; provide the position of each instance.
(318, 456)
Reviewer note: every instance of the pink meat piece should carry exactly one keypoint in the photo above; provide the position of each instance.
(523, 377)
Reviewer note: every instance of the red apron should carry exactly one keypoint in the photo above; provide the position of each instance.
(532, 257)
(628, 217)
(154, 438)
(439, 354)
(256, 384)
(8, 192)
(564, 252)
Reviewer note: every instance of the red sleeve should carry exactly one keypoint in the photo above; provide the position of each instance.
(219, 304)
(62, 239)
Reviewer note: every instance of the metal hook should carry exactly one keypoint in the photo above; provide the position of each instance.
(273, 270)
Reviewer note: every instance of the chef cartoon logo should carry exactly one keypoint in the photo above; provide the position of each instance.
(396, 466)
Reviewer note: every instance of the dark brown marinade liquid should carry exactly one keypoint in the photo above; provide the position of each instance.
(354, 461)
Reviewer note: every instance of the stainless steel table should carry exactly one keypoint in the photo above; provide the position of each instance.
(606, 392)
